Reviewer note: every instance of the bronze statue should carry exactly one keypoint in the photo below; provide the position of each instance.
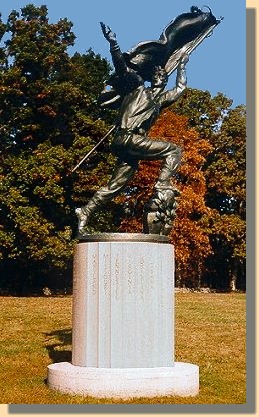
(140, 107)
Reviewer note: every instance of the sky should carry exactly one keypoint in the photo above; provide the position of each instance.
(217, 65)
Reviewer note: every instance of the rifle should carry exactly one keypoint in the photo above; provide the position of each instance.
(93, 149)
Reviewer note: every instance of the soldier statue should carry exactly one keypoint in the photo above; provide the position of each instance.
(139, 107)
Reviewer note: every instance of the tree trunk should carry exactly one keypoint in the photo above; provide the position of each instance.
(199, 272)
(233, 275)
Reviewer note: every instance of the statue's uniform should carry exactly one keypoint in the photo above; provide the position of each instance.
(138, 112)
(140, 107)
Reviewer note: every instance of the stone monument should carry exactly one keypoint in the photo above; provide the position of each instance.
(123, 284)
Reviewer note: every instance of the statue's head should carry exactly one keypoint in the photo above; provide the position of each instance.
(160, 77)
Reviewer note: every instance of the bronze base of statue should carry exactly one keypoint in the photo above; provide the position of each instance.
(123, 237)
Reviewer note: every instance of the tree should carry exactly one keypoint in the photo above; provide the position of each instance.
(226, 194)
(48, 121)
(204, 112)
(225, 130)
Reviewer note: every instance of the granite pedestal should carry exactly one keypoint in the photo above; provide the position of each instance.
(123, 321)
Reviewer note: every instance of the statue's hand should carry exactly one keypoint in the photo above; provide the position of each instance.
(108, 34)
(184, 60)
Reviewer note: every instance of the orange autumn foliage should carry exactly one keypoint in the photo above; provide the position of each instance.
(189, 234)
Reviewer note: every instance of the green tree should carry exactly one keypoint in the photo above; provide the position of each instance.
(48, 120)
(226, 180)
(204, 112)
(2, 32)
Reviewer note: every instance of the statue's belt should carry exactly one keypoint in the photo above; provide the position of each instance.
(136, 131)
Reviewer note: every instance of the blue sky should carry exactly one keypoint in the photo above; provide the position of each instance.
(218, 64)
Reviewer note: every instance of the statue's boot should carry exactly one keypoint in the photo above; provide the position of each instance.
(159, 211)
(84, 213)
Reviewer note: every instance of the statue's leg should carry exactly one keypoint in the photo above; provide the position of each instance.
(159, 211)
(122, 174)
(169, 167)
(142, 147)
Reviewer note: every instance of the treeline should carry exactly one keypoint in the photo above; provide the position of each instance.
(50, 118)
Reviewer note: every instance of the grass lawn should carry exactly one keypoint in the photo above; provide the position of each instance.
(36, 331)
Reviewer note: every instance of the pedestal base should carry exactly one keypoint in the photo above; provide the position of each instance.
(182, 379)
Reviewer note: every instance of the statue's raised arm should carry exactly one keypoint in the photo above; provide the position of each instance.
(170, 96)
(124, 80)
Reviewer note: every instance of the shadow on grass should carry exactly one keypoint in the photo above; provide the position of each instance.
(58, 344)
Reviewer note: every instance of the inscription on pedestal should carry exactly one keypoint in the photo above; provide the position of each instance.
(107, 275)
(122, 308)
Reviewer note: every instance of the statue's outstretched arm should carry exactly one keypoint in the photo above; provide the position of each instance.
(181, 82)
(117, 57)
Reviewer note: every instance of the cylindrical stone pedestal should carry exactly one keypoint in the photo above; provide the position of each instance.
(123, 321)
(123, 305)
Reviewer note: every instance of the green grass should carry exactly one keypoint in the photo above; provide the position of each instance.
(36, 331)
